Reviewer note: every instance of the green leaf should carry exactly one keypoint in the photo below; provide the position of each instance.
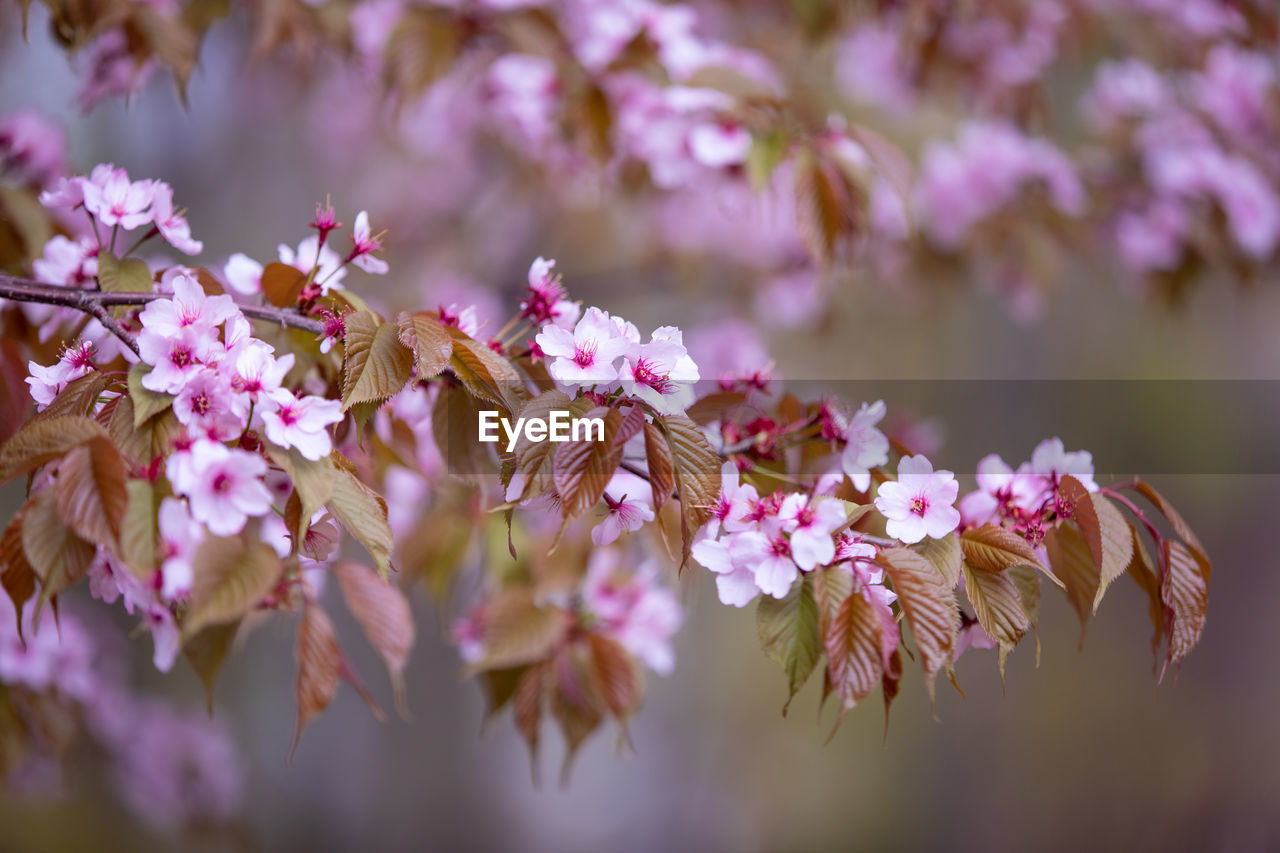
(312, 483)
(375, 366)
(206, 652)
(146, 403)
(788, 630)
(998, 605)
(131, 275)
(766, 152)
(229, 578)
(42, 441)
(432, 346)
(139, 530)
(928, 600)
(697, 475)
(90, 491)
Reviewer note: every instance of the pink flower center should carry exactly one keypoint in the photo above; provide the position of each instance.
(645, 374)
(221, 483)
(919, 505)
(781, 548)
(288, 416)
(584, 354)
(200, 404)
(805, 517)
(180, 356)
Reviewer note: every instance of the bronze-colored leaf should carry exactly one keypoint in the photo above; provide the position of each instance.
(945, 554)
(375, 365)
(56, 553)
(997, 602)
(42, 441)
(858, 649)
(229, 578)
(697, 475)
(530, 456)
(363, 513)
(455, 426)
(1147, 577)
(1115, 535)
(90, 491)
(576, 703)
(16, 574)
(206, 651)
(1185, 591)
(619, 677)
(928, 600)
(282, 284)
(78, 397)
(527, 702)
(1072, 562)
(996, 548)
(432, 346)
(384, 615)
(1175, 519)
(1082, 512)
(519, 631)
(583, 468)
(320, 666)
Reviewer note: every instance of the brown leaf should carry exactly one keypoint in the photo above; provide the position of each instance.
(383, 612)
(788, 629)
(484, 373)
(431, 344)
(714, 406)
(1073, 563)
(519, 631)
(1083, 513)
(928, 600)
(320, 666)
(697, 475)
(375, 365)
(997, 603)
(363, 513)
(1175, 519)
(282, 284)
(829, 208)
(527, 701)
(455, 426)
(858, 650)
(945, 554)
(42, 441)
(530, 456)
(582, 469)
(1027, 581)
(662, 475)
(576, 703)
(90, 491)
(1147, 577)
(16, 574)
(1116, 538)
(996, 548)
(78, 397)
(56, 554)
(229, 578)
(1185, 591)
(620, 679)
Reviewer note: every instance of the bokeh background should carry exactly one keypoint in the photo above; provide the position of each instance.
(1084, 752)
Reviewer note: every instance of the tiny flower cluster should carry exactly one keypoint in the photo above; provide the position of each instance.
(114, 201)
(1025, 495)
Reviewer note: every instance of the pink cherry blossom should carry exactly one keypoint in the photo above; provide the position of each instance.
(633, 609)
(999, 487)
(735, 502)
(190, 306)
(206, 403)
(365, 244)
(312, 255)
(116, 200)
(67, 261)
(920, 502)
(243, 274)
(180, 536)
(810, 525)
(257, 371)
(586, 355)
(175, 356)
(32, 148)
(545, 301)
(47, 382)
(223, 485)
(301, 422)
(173, 227)
(735, 582)
(661, 372)
(866, 447)
(630, 504)
(1051, 461)
(768, 553)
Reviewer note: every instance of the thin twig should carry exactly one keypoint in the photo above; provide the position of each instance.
(25, 290)
(113, 326)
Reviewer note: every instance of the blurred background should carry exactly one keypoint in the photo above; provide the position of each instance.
(1085, 751)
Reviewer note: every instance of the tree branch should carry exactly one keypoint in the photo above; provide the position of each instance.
(96, 302)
